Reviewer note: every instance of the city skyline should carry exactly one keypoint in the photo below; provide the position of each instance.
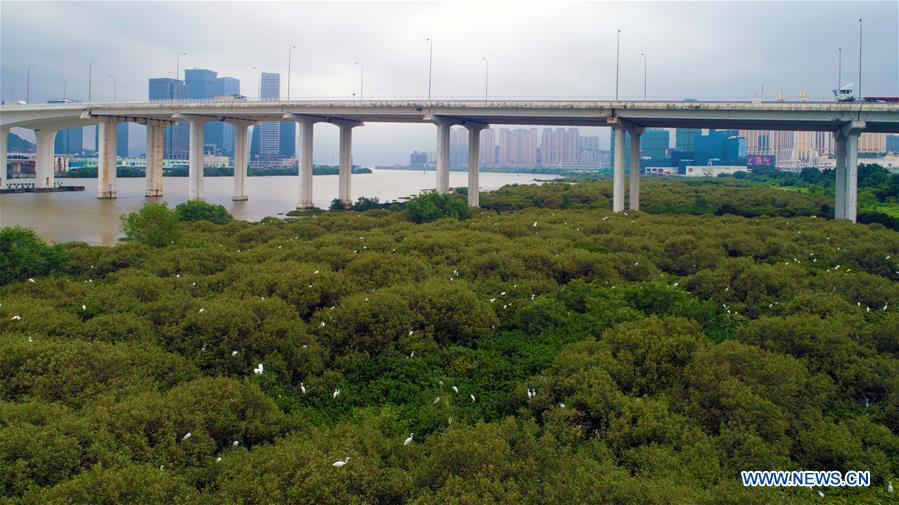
(576, 40)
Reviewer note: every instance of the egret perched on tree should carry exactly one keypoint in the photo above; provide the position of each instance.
(820, 494)
(201, 311)
(302, 388)
(471, 396)
(186, 436)
(890, 483)
(258, 370)
(408, 439)
(30, 279)
(83, 307)
(218, 459)
(235, 443)
(335, 394)
(455, 390)
(435, 401)
(339, 463)
(233, 353)
(16, 317)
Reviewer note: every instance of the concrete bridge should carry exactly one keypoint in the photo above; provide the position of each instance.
(846, 121)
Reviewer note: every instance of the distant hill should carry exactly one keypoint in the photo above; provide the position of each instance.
(16, 144)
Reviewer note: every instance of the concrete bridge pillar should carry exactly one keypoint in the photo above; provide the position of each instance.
(154, 158)
(443, 141)
(618, 170)
(4, 136)
(43, 163)
(474, 158)
(346, 165)
(195, 159)
(241, 154)
(304, 155)
(106, 158)
(634, 190)
(847, 171)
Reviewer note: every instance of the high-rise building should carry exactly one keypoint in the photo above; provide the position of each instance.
(177, 137)
(458, 148)
(122, 139)
(892, 143)
(872, 143)
(684, 138)
(487, 147)
(267, 136)
(518, 148)
(757, 141)
(201, 83)
(221, 134)
(559, 146)
(69, 141)
(654, 143)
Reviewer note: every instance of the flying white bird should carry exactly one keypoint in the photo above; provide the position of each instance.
(186, 436)
(258, 370)
(339, 463)
(408, 439)
(335, 394)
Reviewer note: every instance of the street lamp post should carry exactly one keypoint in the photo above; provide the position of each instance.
(644, 75)
(114, 88)
(258, 80)
(361, 81)
(28, 82)
(90, 75)
(289, 54)
(430, 63)
(178, 66)
(486, 76)
(617, 60)
(839, 69)
(859, 58)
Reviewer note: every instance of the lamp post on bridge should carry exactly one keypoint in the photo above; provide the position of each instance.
(430, 63)
(28, 82)
(644, 75)
(289, 54)
(859, 58)
(617, 61)
(90, 77)
(361, 81)
(486, 76)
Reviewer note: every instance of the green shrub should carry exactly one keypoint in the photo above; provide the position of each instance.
(197, 210)
(432, 206)
(154, 225)
(24, 255)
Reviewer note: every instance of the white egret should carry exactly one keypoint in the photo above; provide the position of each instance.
(335, 394)
(411, 332)
(890, 483)
(562, 405)
(436, 400)
(315, 272)
(408, 439)
(30, 279)
(302, 388)
(323, 324)
(235, 443)
(233, 353)
(218, 459)
(535, 224)
(258, 370)
(820, 494)
(472, 397)
(455, 390)
(340, 462)
(186, 436)
(201, 311)
(83, 307)
(16, 317)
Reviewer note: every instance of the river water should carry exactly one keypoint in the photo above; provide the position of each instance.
(80, 216)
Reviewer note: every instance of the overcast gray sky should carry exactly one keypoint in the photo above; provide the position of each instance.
(707, 50)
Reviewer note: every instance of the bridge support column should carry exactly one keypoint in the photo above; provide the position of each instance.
(155, 143)
(241, 152)
(346, 165)
(443, 140)
(839, 143)
(43, 163)
(304, 155)
(634, 190)
(474, 158)
(618, 171)
(847, 171)
(106, 158)
(4, 137)
(195, 159)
